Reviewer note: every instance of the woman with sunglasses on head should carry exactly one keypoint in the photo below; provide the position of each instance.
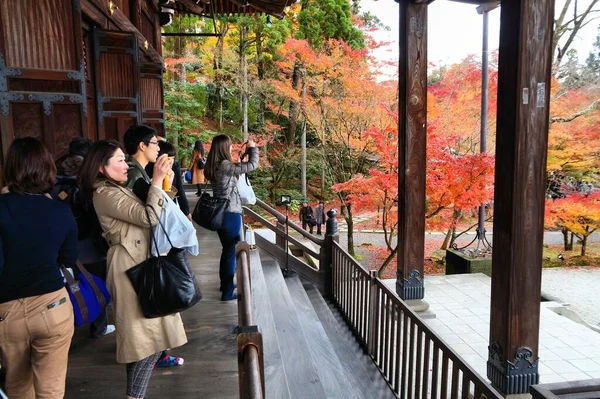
(223, 174)
(126, 223)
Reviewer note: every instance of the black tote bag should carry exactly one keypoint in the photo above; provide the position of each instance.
(209, 210)
(164, 284)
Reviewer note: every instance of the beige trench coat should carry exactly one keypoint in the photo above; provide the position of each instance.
(124, 221)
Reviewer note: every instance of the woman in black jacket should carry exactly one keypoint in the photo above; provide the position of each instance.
(223, 174)
(37, 235)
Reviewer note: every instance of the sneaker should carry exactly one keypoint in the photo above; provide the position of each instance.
(169, 361)
(110, 328)
(234, 287)
(229, 298)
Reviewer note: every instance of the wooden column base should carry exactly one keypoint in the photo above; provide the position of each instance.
(411, 288)
(512, 377)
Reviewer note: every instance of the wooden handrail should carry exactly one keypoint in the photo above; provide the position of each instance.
(249, 338)
(398, 341)
(281, 219)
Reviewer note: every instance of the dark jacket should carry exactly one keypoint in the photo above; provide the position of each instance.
(306, 214)
(37, 234)
(320, 214)
(227, 173)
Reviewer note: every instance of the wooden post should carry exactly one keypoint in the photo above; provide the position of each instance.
(412, 120)
(524, 69)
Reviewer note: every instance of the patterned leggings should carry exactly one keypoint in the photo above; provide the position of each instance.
(138, 375)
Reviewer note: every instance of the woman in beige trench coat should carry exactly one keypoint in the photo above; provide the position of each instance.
(125, 222)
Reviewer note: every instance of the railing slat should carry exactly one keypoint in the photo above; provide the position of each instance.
(411, 361)
(419, 338)
(455, 377)
(435, 370)
(425, 365)
(398, 350)
(444, 381)
(403, 385)
(466, 387)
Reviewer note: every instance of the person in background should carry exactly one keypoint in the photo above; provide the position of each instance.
(37, 235)
(197, 166)
(320, 216)
(223, 174)
(167, 148)
(126, 224)
(307, 216)
(142, 145)
(91, 244)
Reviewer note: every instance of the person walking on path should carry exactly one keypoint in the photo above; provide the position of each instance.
(37, 235)
(307, 217)
(197, 166)
(126, 224)
(223, 174)
(320, 216)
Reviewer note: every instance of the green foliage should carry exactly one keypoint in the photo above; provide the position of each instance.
(328, 19)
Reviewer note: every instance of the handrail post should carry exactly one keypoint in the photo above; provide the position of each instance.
(326, 261)
(373, 320)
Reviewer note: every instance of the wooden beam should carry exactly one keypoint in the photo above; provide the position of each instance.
(193, 7)
(412, 131)
(524, 68)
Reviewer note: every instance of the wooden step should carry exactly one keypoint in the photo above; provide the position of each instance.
(276, 385)
(357, 365)
(302, 376)
(332, 374)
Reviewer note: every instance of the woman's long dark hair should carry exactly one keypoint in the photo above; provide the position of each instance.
(100, 154)
(219, 151)
(29, 168)
(199, 146)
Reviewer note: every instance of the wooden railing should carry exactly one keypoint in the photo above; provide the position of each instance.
(320, 277)
(414, 361)
(249, 339)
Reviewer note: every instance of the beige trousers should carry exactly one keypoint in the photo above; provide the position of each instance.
(35, 335)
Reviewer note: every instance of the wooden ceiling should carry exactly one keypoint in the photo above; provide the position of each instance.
(215, 8)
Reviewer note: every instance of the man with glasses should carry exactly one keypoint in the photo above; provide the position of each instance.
(141, 143)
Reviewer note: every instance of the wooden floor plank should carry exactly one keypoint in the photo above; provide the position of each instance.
(276, 385)
(357, 365)
(303, 380)
(336, 383)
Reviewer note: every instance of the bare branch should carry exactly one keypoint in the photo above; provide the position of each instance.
(591, 107)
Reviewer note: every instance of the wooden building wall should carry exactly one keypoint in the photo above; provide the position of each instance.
(72, 68)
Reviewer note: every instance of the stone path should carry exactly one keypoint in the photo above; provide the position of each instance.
(568, 350)
(575, 287)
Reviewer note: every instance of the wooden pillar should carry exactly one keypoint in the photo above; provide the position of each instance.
(521, 148)
(412, 121)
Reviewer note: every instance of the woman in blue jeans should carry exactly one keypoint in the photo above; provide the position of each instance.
(223, 174)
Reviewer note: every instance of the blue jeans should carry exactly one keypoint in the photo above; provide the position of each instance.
(229, 234)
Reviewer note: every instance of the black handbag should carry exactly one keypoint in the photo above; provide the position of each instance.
(164, 284)
(209, 211)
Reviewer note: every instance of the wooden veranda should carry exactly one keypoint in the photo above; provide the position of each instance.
(93, 68)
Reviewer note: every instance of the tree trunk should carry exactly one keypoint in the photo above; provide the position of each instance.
(446, 242)
(244, 80)
(260, 66)
(583, 245)
(571, 241)
(565, 234)
(347, 213)
(387, 261)
(303, 142)
(294, 108)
